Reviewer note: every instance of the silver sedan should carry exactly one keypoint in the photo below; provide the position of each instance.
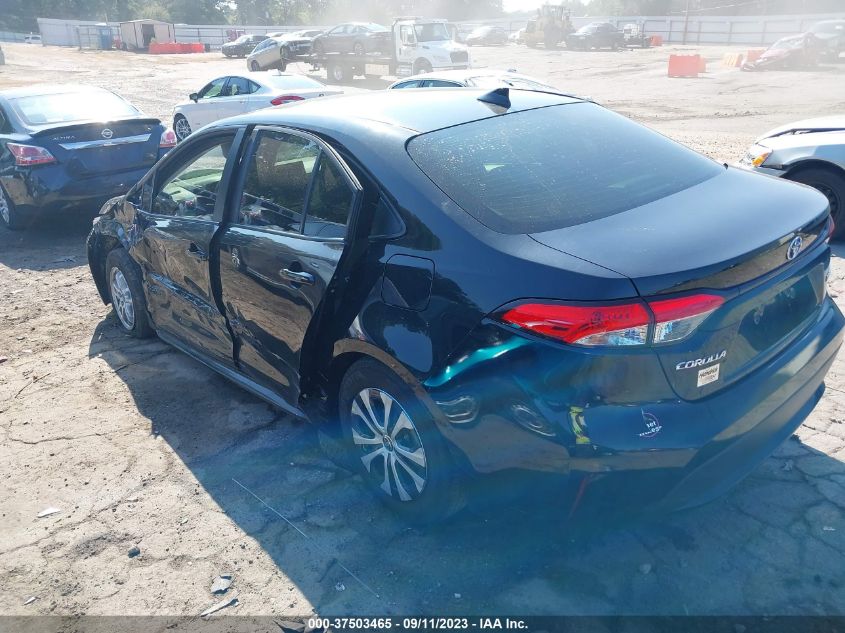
(811, 152)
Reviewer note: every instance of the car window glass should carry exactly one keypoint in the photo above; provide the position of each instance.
(408, 84)
(546, 169)
(330, 203)
(213, 89)
(276, 181)
(191, 191)
(439, 83)
(237, 86)
(253, 87)
(5, 126)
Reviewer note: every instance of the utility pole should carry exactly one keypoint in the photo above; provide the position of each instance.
(686, 22)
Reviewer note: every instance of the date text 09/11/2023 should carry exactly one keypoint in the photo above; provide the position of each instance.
(418, 623)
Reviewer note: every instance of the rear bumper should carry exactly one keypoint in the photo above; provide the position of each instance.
(51, 188)
(512, 410)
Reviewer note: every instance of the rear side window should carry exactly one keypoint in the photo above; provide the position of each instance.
(553, 167)
(238, 86)
(276, 181)
(330, 202)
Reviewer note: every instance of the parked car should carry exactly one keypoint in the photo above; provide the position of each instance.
(811, 152)
(32, 38)
(795, 51)
(831, 36)
(596, 35)
(487, 36)
(473, 78)
(275, 51)
(242, 46)
(353, 37)
(236, 94)
(2, 57)
(64, 146)
(414, 272)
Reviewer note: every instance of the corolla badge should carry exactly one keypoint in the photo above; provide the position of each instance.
(107, 133)
(700, 362)
(794, 248)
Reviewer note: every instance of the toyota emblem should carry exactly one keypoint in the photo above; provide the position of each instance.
(107, 133)
(794, 248)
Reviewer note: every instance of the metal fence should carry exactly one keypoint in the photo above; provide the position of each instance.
(674, 29)
(8, 36)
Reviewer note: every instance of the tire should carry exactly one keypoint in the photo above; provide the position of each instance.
(832, 184)
(422, 66)
(181, 127)
(10, 217)
(407, 465)
(254, 66)
(337, 73)
(126, 292)
(357, 48)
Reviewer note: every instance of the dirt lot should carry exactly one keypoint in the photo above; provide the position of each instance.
(138, 445)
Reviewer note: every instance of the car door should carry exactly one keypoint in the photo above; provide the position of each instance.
(178, 210)
(204, 110)
(233, 100)
(281, 250)
(340, 38)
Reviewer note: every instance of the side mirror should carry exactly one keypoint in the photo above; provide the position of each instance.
(194, 97)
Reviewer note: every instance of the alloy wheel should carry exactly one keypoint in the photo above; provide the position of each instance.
(5, 211)
(391, 449)
(121, 297)
(182, 128)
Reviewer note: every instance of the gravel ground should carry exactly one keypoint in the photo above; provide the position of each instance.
(139, 446)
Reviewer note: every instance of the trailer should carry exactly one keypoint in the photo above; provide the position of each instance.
(416, 45)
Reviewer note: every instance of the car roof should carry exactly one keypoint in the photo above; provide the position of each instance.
(50, 89)
(416, 111)
(469, 73)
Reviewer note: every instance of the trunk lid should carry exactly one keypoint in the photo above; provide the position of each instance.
(97, 148)
(734, 241)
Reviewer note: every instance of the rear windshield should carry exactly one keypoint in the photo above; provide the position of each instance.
(553, 167)
(69, 107)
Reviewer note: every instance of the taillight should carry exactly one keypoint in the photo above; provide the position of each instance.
(28, 155)
(168, 139)
(676, 319)
(286, 99)
(634, 323)
(624, 324)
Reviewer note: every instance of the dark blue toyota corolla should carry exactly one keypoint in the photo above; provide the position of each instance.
(458, 283)
(64, 146)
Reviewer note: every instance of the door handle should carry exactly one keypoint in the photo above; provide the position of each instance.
(196, 252)
(296, 277)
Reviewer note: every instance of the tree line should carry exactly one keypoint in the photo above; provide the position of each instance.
(21, 15)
